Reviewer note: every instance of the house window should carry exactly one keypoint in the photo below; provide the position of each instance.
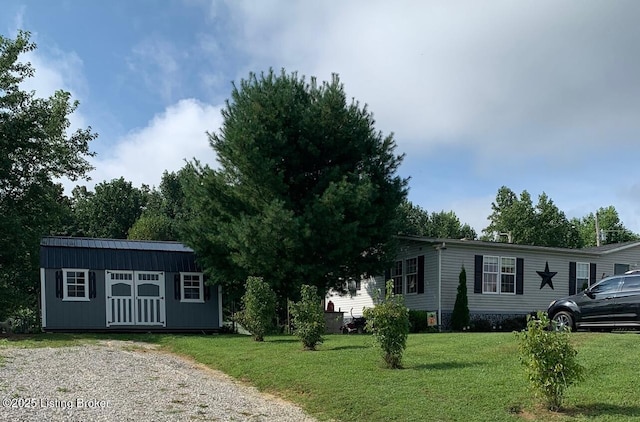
(499, 268)
(192, 287)
(508, 275)
(76, 284)
(582, 276)
(490, 275)
(396, 275)
(412, 275)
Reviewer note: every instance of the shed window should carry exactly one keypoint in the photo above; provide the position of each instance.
(192, 287)
(76, 284)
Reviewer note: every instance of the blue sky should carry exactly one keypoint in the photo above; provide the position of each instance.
(536, 95)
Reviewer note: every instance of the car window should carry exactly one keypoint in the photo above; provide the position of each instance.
(610, 285)
(631, 283)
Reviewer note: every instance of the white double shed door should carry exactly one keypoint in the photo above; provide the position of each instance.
(135, 298)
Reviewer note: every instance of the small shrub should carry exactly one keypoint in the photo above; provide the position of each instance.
(25, 321)
(389, 323)
(418, 321)
(460, 316)
(258, 308)
(308, 317)
(549, 360)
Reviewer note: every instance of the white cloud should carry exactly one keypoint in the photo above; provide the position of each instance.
(157, 62)
(490, 75)
(55, 70)
(171, 137)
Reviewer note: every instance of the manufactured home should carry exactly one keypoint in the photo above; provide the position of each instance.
(503, 280)
(124, 285)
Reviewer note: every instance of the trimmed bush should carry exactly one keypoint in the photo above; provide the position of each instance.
(389, 323)
(258, 308)
(460, 317)
(308, 317)
(549, 360)
(418, 321)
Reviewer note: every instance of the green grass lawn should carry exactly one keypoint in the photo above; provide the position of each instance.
(446, 377)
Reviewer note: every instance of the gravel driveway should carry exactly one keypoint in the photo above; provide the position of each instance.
(123, 381)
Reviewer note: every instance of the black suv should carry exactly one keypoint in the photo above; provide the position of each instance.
(613, 302)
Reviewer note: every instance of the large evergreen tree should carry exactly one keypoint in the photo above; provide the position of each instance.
(306, 192)
(36, 147)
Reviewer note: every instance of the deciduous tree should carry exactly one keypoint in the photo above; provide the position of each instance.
(443, 225)
(36, 147)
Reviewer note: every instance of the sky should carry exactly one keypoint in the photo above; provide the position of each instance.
(542, 95)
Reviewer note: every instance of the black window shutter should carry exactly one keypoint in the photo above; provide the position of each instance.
(92, 284)
(59, 284)
(176, 286)
(592, 273)
(421, 274)
(572, 278)
(387, 275)
(477, 274)
(519, 276)
(206, 288)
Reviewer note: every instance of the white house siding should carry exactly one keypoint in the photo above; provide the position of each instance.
(460, 253)
(362, 298)
(533, 298)
(626, 255)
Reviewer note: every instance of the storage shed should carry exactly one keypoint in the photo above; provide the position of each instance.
(124, 285)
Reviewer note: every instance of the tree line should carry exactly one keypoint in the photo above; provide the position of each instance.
(307, 191)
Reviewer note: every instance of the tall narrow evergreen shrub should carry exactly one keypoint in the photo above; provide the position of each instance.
(460, 318)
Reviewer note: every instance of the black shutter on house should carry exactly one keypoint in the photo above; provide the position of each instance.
(572, 278)
(477, 274)
(59, 284)
(519, 276)
(421, 274)
(92, 284)
(387, 275)
(176, 286)
(592, 273)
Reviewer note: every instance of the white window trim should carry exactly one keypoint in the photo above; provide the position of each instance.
(406, 276)
(485, 292)
(578, 282)
(200, 289)
(401, 276)
(65, 286)
(515, 275)
(499, 278)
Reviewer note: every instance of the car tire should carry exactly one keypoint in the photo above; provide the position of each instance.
(563, 319)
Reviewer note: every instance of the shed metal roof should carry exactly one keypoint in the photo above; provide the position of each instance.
(93, 243)
(114, 254)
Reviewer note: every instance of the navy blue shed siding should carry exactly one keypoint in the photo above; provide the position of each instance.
(99, 255)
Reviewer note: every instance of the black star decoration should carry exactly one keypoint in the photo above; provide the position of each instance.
(546, 276)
